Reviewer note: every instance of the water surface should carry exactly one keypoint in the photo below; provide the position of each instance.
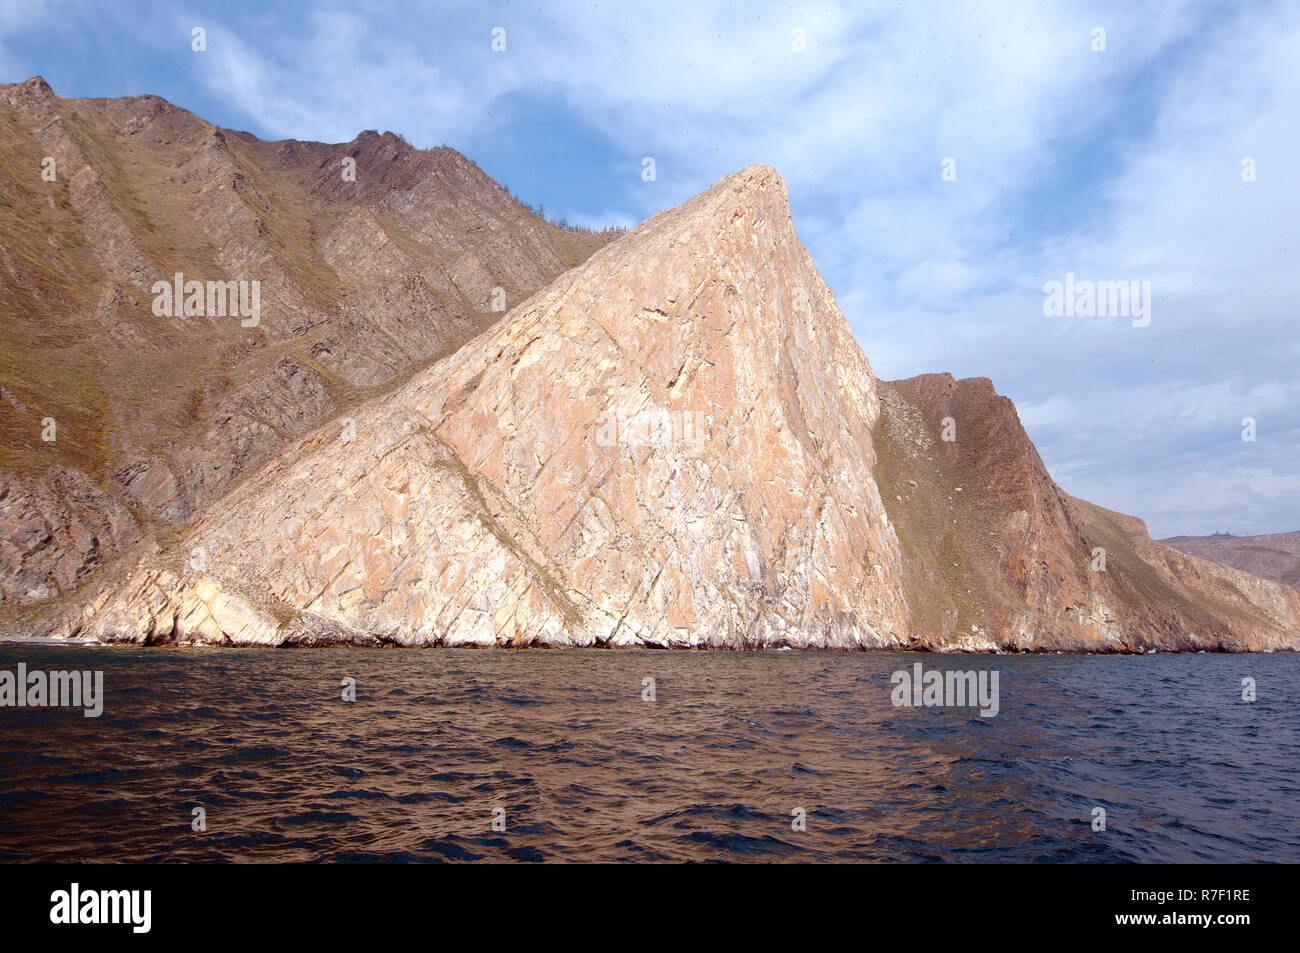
(585, 769)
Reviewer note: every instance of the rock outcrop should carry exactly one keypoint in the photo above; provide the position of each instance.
(678, 443)
(57, 529)
(373, 258)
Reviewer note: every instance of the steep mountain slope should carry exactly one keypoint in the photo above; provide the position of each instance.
(679, 443)
(362, 278)
(1273, 556)
(995, 553)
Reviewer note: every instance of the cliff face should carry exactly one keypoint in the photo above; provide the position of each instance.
(363, 278)
(679, 443)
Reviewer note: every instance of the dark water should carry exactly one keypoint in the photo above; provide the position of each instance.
(586, 770)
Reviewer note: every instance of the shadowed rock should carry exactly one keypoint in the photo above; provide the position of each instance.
(996, 554)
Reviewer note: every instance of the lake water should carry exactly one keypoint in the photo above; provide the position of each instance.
(563, 749)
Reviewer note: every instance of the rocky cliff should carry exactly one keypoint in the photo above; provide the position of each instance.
(372, 258)
(678, 443)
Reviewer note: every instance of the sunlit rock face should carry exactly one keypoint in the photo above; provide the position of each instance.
(679, 444)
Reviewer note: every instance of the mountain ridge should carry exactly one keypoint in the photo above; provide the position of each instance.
(1020, 561)
(1273, 556)
(481, 464)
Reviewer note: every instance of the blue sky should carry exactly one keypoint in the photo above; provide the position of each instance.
(1122, 164)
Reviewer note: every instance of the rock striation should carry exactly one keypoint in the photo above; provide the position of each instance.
(670, 446)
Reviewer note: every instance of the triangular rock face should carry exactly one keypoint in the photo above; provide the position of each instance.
(670, 445)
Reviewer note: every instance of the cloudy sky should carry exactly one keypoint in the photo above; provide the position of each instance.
(1115, 164)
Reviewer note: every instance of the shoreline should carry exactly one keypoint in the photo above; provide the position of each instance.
(385, 645)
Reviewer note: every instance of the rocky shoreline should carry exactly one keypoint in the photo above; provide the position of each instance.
(377, 643)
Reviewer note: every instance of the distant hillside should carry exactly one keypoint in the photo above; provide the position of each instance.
(1275, 556)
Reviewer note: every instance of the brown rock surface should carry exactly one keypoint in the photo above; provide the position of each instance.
(362, 283)
(57, 530)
